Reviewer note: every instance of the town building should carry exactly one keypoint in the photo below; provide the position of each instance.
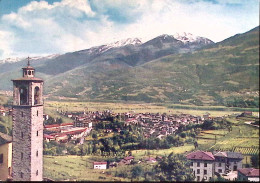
(206, 164)
(202, 164)
(100, 165)
(248, 174)
(227, 161)
(27, 160)
(5, 156)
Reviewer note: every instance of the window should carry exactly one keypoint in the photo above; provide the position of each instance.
(36, 95)
(1, 158)
(198, 178)
(23, 96)
(235, 168)
(37, 173)
(37, 153)
(37, 113)
(219, 170)
(37, 133)
(205, 165)
(198, 171)
(191, 164)
(21, 174)
(219, 164)
(21, 156)
(205, 172)
(198, 164)
(9, 171)
(30, 72)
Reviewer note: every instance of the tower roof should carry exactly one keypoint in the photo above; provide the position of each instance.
(28, 73)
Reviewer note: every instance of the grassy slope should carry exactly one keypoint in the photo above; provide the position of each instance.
(229, 68)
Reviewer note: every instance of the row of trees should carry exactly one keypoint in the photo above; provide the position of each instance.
(51, 121)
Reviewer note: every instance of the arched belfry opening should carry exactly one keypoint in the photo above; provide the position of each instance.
(23, 96)
(36, 95)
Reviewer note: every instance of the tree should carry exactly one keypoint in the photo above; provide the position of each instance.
(255, 161)
(136, 171)
(196, 144)
(94, 136)
(59, 120)
(174, 168)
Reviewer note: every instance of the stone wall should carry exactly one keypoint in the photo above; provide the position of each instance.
(26, 143)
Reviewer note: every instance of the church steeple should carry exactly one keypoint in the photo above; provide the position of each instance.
(27, 157)
(29, 70)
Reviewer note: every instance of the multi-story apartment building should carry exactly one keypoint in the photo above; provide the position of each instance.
(227, 161)
(202, 164)
(205, 164)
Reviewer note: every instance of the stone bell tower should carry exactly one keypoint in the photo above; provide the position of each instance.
(27, 158)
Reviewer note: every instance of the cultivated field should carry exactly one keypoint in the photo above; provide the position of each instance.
(139, 108)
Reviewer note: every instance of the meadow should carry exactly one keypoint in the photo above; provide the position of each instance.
(72, 106)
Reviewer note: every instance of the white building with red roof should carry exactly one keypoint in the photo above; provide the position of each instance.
(100, 165)
(206, 164)
(248, 174)
(202, 164)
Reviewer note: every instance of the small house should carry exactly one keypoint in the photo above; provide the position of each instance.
(100, 165)
(248, 174)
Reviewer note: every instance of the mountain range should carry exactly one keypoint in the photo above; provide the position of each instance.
(179, 68)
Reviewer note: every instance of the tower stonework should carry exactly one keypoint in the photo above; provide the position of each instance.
(27, 152)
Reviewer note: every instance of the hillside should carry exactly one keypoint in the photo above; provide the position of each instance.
(219, 74)
(164, 69)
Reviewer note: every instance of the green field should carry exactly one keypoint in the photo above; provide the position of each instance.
(80, 168)
(73, 168)
(163, 152)
(53, 106)
(241, 138)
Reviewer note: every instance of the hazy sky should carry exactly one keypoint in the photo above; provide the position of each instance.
(42, 27)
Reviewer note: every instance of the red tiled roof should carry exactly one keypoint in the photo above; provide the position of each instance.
(200, 155)
(66, 124)
(150, 159)
(57, 125)
(51, 126)
(100, 163)
(48, 136)
(130, 119)
(129, 158)
(249, 172)
(71, 132)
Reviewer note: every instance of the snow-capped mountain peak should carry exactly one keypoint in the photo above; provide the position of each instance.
(124, 42)
(190, 38)
(121, 43)
(17, 59)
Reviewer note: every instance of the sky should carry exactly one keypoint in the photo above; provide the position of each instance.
(45, 27)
